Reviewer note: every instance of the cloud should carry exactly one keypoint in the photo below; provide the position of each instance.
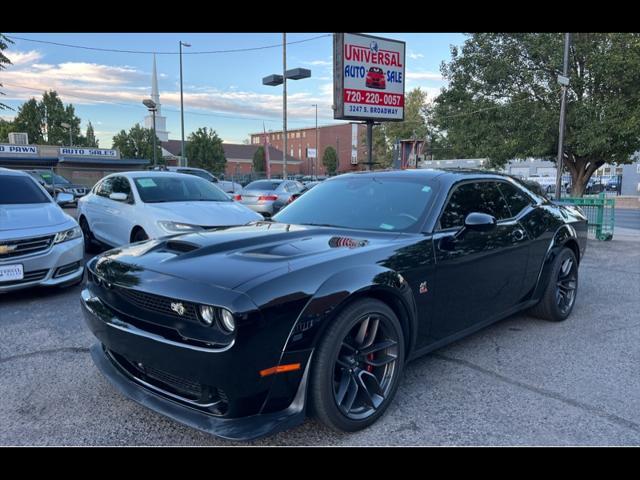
(424, 76)
(415, 56)
(319, 63)
(21, 58)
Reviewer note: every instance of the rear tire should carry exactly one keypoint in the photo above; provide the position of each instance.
(559, 296)
(357, 366)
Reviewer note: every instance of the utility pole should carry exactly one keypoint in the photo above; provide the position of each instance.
(315, 160)
(564, 81)
(369, 144)
(284, 105)
(184, 158)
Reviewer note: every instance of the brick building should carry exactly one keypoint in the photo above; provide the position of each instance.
(239, 158)
(348, 139)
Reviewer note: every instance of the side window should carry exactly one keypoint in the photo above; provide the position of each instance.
(482, 197)
(105, 188)
(121, 185)
(515, 197)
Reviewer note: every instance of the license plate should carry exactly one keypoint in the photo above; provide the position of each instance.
(9, 273)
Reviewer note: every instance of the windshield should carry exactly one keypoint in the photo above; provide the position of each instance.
(19, 190)
(159, 189)
(51, 177)
(262, 185)
(371, 203)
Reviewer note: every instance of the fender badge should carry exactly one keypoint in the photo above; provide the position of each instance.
(423, 287)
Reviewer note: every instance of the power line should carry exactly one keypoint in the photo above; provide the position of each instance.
(205, 52)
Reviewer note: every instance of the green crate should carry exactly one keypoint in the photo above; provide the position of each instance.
(600, 212)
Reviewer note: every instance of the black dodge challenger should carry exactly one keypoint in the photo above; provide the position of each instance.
(241, 331)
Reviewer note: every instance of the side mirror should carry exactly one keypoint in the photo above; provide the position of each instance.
(119, 197)
(477, 222)
(62, 198)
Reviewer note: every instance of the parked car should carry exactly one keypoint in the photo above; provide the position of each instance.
(267, 197)
(375, 78)
(133, 206)
(241, 332)
(55, 184)
(307, 186)
(224, 185)
(39, 243)
(613, 185)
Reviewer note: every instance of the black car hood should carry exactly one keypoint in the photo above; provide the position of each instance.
(230, 257)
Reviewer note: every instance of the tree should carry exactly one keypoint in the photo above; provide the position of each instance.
(137, 143)
(503, 99)
(205, 150)
(330, 160)
(6, 127)
(414, 125)
(29, 120)
(46, 117)
(90, 137)
(259, 163)
(4, 43)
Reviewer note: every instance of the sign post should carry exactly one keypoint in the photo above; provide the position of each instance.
(368, 81)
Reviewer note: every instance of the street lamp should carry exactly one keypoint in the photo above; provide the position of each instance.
(274, 80)
(151, 105)
(68, 127)
(315, 160)
(184, 159)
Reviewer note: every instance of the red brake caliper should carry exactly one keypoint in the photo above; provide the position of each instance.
(370, 367)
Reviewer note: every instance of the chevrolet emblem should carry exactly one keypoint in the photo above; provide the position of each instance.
(7, 249)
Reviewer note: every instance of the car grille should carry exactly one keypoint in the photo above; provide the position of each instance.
(213, 399)
(156, 303)
(24, 246)
(32, 276)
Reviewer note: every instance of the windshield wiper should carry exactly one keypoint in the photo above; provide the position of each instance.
(320, 225)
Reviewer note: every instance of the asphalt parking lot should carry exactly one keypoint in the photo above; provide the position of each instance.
(521, 381)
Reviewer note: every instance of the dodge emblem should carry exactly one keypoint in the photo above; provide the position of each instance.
(178, 308)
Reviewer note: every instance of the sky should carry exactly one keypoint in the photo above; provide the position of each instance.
(222, 91)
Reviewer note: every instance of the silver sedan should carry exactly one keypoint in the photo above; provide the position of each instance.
(268, 197)
(39, 243)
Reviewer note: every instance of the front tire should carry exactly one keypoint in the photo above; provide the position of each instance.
(89, 245)
(559, 296)
(357, 366)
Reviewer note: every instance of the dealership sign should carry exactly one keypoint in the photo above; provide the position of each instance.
(88, 152)
(19, 149)
(368, 77)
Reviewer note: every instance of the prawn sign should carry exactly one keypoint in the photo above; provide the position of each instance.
(368, 77)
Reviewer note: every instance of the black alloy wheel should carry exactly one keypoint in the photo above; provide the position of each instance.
(566, 285)
(358, 365)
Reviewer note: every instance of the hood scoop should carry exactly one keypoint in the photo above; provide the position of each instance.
(180, 246)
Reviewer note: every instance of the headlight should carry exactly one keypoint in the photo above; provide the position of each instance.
(227, 320)
(207, 314)
(67, 190)
(70, 234)
(177, 227)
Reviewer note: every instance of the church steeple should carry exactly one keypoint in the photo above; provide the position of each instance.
(161, 121)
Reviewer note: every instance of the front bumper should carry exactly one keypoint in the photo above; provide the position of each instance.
(43, 268)
(253, 406)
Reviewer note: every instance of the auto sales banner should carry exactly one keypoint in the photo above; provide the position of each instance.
(369, 77)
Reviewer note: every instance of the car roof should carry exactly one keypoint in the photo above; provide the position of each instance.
(17, 173)
(148, 173)
(447, 175)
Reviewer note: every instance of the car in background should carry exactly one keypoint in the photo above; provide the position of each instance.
(54, 184)
(129, 207)
(613, 185)
(267, 197)
(307, 186)
(375, 78)
(224, 185)
(39, 243)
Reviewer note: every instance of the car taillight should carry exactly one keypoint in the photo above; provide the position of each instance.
(291, 199)
(267, 198)
(237, 197)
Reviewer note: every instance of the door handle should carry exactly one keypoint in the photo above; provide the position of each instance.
(518, 234)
